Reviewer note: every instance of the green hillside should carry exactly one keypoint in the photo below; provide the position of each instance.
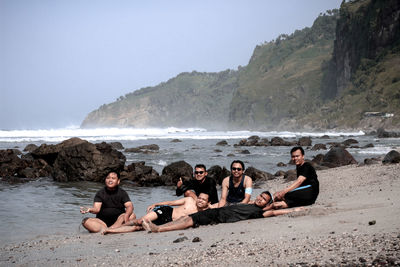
(323, 77)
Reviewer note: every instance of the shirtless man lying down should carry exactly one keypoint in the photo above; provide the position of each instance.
(163, 212)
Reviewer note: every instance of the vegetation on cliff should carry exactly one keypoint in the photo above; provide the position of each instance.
(326, 76)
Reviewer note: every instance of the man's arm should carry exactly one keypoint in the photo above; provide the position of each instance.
(178, 202)
(224, 192)
(190, 193)
(95, 209)
(280, 195)
(248, 185)
(182, 187)
(128, 210)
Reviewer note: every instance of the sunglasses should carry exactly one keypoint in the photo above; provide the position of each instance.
(236, 169)
(199, 172)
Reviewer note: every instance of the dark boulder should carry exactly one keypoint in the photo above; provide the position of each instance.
(263, 142)
(368, 145)
(304, 141)
(80, 160)
(176, 141)
(117, 145)
(370, 161)
(337, 157)
(290, 175)
(318, 159)
(381, 133)
(277, 141)
(217, 173)
(257, 175)
(143, 149)
(49, 153)
(12, 165)
(319, 147)
(391, 157)
(222, 143)
(174, 171)
(349, 142)
(280, 173)
(281, 164)
(141, 175)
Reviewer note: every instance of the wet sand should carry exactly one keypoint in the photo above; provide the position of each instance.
(355, 221)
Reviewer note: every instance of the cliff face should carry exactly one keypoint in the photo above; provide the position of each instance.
(326, 76)
(365, 29)
(188, 100)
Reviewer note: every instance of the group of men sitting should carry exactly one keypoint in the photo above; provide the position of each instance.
(200, 205)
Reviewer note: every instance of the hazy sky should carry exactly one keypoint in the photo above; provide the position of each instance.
(61, 59)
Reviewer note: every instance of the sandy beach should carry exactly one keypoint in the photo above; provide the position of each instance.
(355, 221)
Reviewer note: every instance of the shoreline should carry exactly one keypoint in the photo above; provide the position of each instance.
(354, 221)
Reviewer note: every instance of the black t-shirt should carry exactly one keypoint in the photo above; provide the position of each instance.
(112, 204)
(308, 171)
(227, 214)
(208, 187)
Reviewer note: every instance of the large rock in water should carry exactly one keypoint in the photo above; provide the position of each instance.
(13, 166)
(257, 175)
(218, 173)
(141, 175)
(174, 171)
(80, 160)
(391, 157)
(337, 157)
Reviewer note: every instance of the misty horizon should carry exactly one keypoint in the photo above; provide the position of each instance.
(61, 60)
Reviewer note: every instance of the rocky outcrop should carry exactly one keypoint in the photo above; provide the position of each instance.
(257, 175)
(141, 175)
(13, 166)
(337, 157)
(218, 173)
(85, 161)
(174, 171)
(391, 157)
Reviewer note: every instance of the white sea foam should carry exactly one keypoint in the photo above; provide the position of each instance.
(130, 134)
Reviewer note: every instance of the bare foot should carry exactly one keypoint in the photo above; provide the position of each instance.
(299, 209)
(149, 226)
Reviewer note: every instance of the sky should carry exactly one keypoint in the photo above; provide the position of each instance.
(60, 60)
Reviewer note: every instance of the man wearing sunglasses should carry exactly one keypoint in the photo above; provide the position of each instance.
(237, 187)
(200, 184)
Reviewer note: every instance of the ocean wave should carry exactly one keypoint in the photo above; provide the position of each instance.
(132, 134)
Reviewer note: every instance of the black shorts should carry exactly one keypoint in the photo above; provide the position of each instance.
(301, 196)
(164, 214)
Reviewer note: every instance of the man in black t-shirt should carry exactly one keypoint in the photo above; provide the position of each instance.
(304, 191)
(227, 214)
(112, 206)
(200, 184)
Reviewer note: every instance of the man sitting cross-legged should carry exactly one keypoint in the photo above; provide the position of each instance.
(161, 213)
(225, 214)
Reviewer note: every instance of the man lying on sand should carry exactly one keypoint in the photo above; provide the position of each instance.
(304, 191)
(225, 214)
(161, 213)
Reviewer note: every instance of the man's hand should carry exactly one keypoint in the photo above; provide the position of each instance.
(150, 208)
(279, 195)
(84, 210)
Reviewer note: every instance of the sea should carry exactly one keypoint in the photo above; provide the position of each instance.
(45, 207)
